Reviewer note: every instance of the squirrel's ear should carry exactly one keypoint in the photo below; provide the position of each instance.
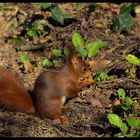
(97, 65)
(73, 57)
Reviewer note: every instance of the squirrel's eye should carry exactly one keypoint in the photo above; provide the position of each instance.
(84, 69)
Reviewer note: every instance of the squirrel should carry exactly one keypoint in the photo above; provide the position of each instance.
(50, 90)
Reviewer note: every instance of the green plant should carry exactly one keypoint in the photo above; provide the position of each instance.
(36, 29)
(124, 19)
(91, 49)
(126, 100)
(102, 76)
(57, 52)
(115, 120)
(57, 14)
(130, 126)
(47, 62)
(23, 58)
(133, 59)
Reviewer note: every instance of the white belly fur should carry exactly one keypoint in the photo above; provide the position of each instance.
(63, 100)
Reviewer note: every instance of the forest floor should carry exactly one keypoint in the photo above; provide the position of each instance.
(86, 120)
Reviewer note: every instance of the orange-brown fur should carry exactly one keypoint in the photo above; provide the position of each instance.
(13, 95)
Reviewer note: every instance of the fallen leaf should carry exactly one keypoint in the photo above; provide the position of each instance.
(97, 65)
(28, 66)
(95, 103)
(117, 102)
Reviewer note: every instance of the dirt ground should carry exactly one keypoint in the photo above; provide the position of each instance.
(85, 119)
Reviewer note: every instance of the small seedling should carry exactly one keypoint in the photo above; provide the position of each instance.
(133, 59)
(47, 62)
(102, 76)
(23, 58)
(126, 100)
(57, 52)
(36, 29)
(91, 49)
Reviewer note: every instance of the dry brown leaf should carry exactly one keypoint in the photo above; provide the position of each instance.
(97, 65)
(95, 103)
(117, 102)
(28, 66)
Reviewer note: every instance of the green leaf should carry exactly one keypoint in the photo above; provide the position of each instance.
(102, 76)
(32, 33)
(38, 25)
(136, 103)
(77, 40)
(23, 58)
(81, 51)
(93, 47)
(43, 4)
(124, 128)
(121, 93)
(56, 52)
(119, 135)
(124, 20)
(128, 101)
(66, 51)
(47, 62)
(127, 104)
(56, 63)
(58, 15)
(133, 59)
(133, 122)
(92, 7)
(126, 10)
(100, 43)
(124, 107)
(115, 120)
(130, 135)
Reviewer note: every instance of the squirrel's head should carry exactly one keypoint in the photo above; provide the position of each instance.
(80, 70)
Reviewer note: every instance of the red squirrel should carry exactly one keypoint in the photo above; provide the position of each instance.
(50, 90)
